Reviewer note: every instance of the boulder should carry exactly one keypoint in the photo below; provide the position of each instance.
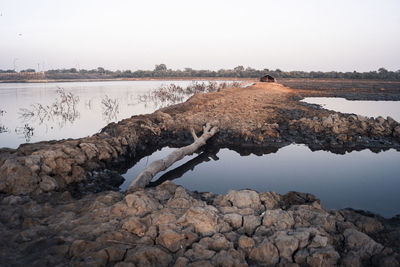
(204, 220)
(265, 254)
(148, 256)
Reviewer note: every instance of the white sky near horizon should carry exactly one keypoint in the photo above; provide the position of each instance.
(341, 35)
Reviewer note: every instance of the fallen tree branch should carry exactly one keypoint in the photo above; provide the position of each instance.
(149, 172)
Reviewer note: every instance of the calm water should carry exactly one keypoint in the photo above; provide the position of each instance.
(89, 115)
(365, 108)
(360, 179)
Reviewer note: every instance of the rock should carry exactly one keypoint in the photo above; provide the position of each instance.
(148, 256)
(396, 132)
(229, 258)
(235, 220)
(219, 242)
(48, 183)
(115, 253)
(171, 240)
(286, 244)
(278, 219)
(297, 198)
(323, 257)
(250, 223)
(246, 243)
(181, 262)
(361, 243)
(271, 200)
(204, 220)
(244, 199)
(135, 226)
(199, 252)
(265, 254)
(318, 241)
(141, 204)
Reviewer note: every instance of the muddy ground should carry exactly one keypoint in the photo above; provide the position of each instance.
(49, 217)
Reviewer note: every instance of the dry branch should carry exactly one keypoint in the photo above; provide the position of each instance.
(149, 172)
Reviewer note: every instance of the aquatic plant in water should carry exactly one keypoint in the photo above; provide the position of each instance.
(166, 95)
(26, 131)
(110, 108)
(63, 109)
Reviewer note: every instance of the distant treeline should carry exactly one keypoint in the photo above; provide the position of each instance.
(161, 71)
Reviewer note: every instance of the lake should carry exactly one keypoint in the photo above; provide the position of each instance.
(360, 179)
(361, 107)
(26, 116)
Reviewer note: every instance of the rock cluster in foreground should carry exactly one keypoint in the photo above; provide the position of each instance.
(170, 226)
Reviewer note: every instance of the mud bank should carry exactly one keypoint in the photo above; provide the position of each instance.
(48, 217)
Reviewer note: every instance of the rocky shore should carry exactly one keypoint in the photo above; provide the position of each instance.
(48, 218)
(170, 226)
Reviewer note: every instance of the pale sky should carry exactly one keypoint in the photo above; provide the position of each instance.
(340, 35)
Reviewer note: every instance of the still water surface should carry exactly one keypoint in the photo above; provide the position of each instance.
(360, 179)
(365, 108)
(89, 115)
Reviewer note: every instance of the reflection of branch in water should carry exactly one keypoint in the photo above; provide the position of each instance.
(26, 131)
(64, 109)
(110, 108)
(171, 94)
(3, 129)
(190, 165)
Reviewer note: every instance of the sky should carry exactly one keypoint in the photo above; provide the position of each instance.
(320, 35)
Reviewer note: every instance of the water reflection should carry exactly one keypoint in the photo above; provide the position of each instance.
(365, 108)
(110, 109)
(79, 109)
(364, 180)
(166, 95)
(62, 110)
(3, 129)
(26, 132)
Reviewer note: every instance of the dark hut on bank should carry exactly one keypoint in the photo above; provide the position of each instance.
(267, 78)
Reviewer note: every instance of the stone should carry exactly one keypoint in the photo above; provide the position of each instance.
(319, 241)
(278, 219)
(286, 244)
(48, 183)
(219, 242)
(235, 220)
(204, 220)
(181, 262)
(115, 253)
(244, 199)
(250, 223)
(229, 258)
(199, 252)
(171, 240)
(246, 243)
(265, 254)
(135, 226)
(148, 256)
(271, 200)
(141, 204)
(361, 243)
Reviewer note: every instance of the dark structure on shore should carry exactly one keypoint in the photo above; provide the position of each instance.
(267, 78)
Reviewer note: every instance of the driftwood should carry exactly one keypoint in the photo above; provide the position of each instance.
(149, 172)
(184, 168)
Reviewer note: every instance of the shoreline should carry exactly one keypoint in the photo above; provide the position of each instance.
(133, 79)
